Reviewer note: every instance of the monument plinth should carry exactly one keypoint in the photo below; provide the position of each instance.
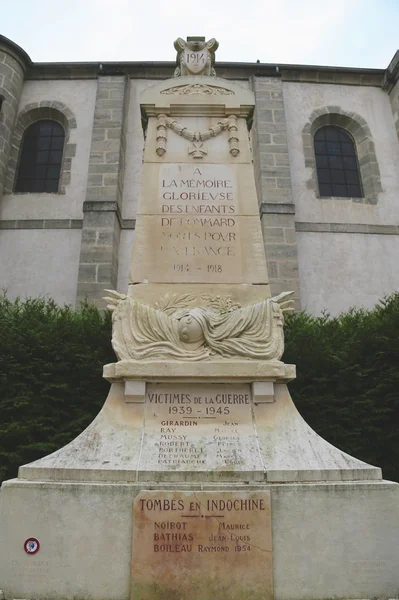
(199, 412)
(202, 545)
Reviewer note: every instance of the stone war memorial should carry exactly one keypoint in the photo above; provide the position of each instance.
(198, 479)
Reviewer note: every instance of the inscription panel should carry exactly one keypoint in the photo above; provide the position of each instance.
(196, 60)
(198, 208)
(366, 572)
(163, 259)
(197, 190)
(202, 545)
(34, 569)
(198, 225)
(192, 427)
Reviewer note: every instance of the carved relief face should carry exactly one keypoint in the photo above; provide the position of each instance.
(190, 331)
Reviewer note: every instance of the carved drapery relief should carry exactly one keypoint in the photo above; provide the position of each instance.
(197, 89)
(197, 137)
(177, 329)
(195, 57)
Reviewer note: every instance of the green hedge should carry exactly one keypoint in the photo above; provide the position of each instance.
(51, 387)
(347, 385)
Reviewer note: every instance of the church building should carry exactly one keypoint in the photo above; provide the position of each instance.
(325, 148)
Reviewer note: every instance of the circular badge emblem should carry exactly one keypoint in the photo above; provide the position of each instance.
(32, 545)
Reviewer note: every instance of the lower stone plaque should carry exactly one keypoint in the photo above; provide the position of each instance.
(199, 427)
(202, 546)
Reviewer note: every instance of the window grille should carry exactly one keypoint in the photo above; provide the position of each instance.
(336, 162)
(41, 158)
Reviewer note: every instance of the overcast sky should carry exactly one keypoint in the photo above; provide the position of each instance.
(356, 33)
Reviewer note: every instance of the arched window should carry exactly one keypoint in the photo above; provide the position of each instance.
(336, 163)
(41, 158)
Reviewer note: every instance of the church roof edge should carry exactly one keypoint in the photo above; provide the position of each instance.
(16, 50)
(227, 70)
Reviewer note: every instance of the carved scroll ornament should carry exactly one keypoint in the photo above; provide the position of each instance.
(197, 89)
(173, 330)
(197, 137)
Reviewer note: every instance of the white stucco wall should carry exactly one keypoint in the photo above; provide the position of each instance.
(39, 262)
(341, 270)
(79, 96)
(374, 106)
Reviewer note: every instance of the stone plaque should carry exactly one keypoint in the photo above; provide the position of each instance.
(193, 427)
(197, 190)
(159, 260)
(365, 572)
(199, 232)
(202, 545)
(198, 226)
(196, 61)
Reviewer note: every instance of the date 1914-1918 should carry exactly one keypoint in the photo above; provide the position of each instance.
(209, 268)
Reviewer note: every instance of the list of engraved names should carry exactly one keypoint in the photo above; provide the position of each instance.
(194, 427)
(222, 536)
(197, 211)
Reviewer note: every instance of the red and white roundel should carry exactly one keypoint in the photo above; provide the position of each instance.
(31, 545)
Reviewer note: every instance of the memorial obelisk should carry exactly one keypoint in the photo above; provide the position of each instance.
(198, 479)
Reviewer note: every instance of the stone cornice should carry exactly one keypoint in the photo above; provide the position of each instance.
(336, 75)
(391, 75)
(226, 70)
(365, 228)
(274, 208)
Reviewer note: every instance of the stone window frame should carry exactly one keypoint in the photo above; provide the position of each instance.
(37, 111)
(357, 127)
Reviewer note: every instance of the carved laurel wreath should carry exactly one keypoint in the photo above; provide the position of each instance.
(197, 137)
(171, 302)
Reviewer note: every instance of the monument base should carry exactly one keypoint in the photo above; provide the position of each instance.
(162, 437)
(329, 539)
(334, 522)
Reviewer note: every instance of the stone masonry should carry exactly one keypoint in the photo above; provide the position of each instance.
(391, 85)
(273, 180)
(30, 113)
(291, 102)
(98, 265)
(395, 107)
(12, 71)
(356, 125)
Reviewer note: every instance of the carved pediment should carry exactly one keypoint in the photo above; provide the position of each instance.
(197, 89)
(194, 96)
